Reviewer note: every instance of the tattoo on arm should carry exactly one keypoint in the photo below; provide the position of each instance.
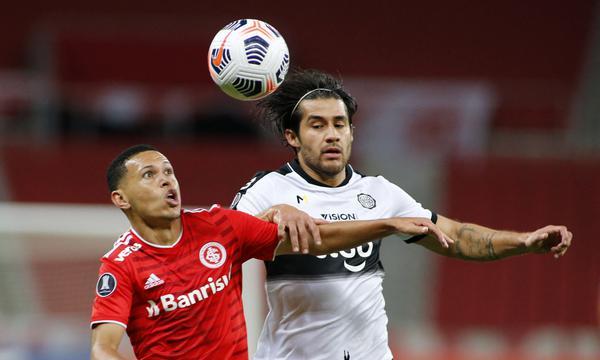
(472, 244)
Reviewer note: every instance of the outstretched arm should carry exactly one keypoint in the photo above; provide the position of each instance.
(299, 232)
(479, 243)
(344, 235)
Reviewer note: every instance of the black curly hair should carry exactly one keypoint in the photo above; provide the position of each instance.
(276, 109)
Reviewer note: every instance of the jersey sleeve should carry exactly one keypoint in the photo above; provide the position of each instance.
(258, 238)
(405, 206)
(251, 198)
(114, 294)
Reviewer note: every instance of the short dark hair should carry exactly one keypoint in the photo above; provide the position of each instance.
(116, 170)
(276, 109)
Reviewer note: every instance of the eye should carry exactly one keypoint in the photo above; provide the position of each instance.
(316, 126)
(169, 171)
(147, 175)
(340, 125)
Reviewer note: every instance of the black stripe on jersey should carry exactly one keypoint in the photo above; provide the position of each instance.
(298, 169)
(293, 277)
(416, 238)
(335, 264)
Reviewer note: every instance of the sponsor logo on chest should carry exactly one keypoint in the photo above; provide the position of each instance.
(349, 254)
(339, 216)
(172, 302)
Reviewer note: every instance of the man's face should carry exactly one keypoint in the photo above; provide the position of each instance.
(149, 188)
(324, 139)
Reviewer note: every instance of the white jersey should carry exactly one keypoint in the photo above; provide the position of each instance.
(328, 306)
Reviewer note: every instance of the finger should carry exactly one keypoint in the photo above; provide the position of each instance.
(293, 233)
(435, 231)
(417, 229)
(564, 251)
(303, 236)
(560, 253)
(320, 221)
(560, 249)
(316, 234)
(441, 237)
(563, 235)
(567, 243)
(281, 232)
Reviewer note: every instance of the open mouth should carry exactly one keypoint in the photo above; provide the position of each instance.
(172, 198)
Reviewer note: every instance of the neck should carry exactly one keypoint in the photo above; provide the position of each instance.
(332, 180)
(161, 232)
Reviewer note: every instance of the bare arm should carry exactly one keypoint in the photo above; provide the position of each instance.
(106, 338)
(479, 243)
(343, 235)
(298, 231)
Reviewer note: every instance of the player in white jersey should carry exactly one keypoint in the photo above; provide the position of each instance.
(332, 307)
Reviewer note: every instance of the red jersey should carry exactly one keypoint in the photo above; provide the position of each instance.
(184, 301)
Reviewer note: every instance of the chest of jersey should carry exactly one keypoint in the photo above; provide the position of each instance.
(331, 204)
(351, 204)
(191, 276)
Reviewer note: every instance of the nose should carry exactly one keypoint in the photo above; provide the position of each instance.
(165, 181)
(332, 134)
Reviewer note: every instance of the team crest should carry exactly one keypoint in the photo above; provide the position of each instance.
(366, 200)
(107, 284)
(213, 255)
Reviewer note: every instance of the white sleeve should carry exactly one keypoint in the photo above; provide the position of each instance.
(253, 198)
(403, 205)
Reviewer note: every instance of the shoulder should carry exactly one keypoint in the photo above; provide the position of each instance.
(262, 177)
(376, 179)
(215, 215)
(125, 246)
(263, 182)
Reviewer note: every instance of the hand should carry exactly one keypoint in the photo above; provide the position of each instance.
(300, 227)
(420, 226)
(552, 238)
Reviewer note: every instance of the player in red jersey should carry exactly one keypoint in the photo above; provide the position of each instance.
(173, 281)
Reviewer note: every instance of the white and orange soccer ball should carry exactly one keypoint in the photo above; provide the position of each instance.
(248, 59)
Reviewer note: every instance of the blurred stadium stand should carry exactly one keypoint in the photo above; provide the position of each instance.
(80, 81)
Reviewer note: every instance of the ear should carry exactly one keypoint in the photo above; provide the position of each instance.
(120, 200)
(292, 139)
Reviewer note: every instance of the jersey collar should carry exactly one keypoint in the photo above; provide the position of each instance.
(295, 165)
(157, 245)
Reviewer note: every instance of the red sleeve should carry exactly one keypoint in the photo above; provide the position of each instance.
(258, 238)
(113, 295)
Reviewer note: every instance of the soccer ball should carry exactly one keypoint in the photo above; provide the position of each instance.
(248, 59)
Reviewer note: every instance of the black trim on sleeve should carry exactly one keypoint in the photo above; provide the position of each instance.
(416, 238)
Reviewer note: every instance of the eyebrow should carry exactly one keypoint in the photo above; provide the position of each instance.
(147, 166)
(320, 117)
(165, 162)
